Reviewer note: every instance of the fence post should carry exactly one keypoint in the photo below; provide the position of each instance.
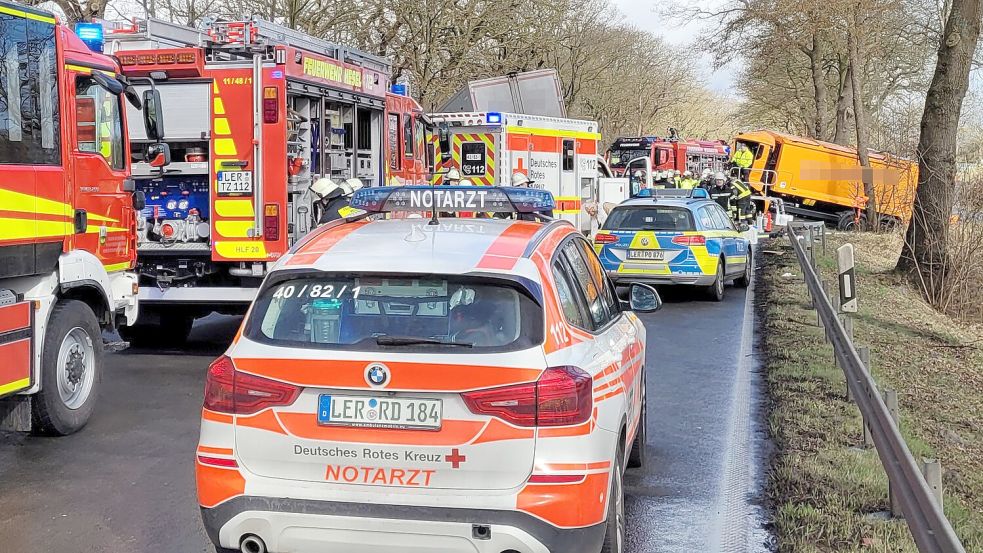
(932, 471)
(846, 267)
(891, 400)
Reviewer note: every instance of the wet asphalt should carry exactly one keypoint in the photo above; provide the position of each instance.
(125, 483)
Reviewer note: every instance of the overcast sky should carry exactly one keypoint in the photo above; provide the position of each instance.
(645, 15)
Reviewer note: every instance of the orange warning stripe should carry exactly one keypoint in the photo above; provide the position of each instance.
(216, 417)
(509, 246)
(215, 450)
(313, 249)
(217, 485)
(567, 505)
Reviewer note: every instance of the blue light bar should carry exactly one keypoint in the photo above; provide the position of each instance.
(494, 118)
(453, 199)
(91, 34)
(700, 193)
(680, 193)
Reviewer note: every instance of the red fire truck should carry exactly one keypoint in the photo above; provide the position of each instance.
(256, 112)
(67, 218)
(668, 154)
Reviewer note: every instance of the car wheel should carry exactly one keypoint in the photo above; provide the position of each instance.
(636, 457)
(716, 290)
(745, 280)
(614, 534)
(71, 361)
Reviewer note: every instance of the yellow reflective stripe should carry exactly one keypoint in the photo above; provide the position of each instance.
(234, 208)
(222, 126)
(20, 229)
(253, 249)
(233, 229)
(218, 107)
(87, 70)
(100, 218)
(27, 15)
(117, 267)
(348, 211)
(26, 203)
(92, 229)
(736, 259)
(15, 386)
(225, 147)
(554, 132)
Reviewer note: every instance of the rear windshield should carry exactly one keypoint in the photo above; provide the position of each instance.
(649, 218)
(383, 313)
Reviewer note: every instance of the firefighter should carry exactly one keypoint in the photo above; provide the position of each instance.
(721, 191)
(688, 182)
(742, 209)
(520, 180)
(664, 180)
(452, 177)
(330, 200)
(742, 159)
(639, 185)
(677, 178)
(706, 179)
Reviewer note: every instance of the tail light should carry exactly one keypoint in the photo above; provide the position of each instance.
(230, 391)
(271, 107)
(271, 222)
(560, 397)
(605, 239)
(690, 240)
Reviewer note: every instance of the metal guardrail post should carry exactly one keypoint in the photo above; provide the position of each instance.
(932, 470)
(929, 528)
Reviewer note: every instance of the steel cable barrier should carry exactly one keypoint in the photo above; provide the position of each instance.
(923, 514)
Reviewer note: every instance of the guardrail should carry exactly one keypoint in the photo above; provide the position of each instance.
(910, 493)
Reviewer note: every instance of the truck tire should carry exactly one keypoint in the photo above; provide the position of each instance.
(615, 525)
(745, 280)
(716, 290)
(847, 221)
(71, 366)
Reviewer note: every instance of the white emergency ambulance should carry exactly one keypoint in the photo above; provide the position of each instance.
(559, 155)
(429, 385)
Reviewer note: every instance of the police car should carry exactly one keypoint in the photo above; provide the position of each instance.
(424, 384)
(675, 237)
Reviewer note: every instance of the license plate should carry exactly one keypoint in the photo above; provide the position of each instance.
(647, 255)
(380, 412)
(235, 183)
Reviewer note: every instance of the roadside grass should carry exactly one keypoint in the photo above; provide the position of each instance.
(829, 494)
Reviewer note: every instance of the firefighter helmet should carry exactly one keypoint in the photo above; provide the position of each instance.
(452, 175)
(351, 186)
(326, 188)
(520, 179)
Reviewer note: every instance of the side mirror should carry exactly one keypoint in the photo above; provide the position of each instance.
(139, 200)
(444, 138)
(133, 96)
(159, 154)
(153, 117)
(743, 227)
(642, 298)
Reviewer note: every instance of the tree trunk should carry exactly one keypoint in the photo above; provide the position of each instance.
(859, 117)
(819, 84)
(844, 108)
(924, 255)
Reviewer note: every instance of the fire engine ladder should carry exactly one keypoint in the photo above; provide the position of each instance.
(279, 35)
(163, 34)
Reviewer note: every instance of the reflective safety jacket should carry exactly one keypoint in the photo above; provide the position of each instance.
(688, 184)
(742, 158)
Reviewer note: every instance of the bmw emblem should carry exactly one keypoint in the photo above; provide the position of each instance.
(377, 374)
(645, 241)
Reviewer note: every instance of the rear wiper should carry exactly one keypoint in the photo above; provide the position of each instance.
(416, 340)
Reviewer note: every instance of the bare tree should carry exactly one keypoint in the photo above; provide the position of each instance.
(924, 255)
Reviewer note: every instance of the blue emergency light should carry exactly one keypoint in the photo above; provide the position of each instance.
(91, 34)
(453, 199)
(697, 193)
(494, 118)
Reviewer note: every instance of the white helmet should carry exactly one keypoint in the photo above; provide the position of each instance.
(326, 188)
(466, 182)
(351, 186)
(706, 173)
(453, 174)
(520, 179)
(687, 173)
(719, 175)
(676, 173)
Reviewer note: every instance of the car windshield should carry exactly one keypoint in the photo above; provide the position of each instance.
(650, 218)
(620, 158)
(377, 313)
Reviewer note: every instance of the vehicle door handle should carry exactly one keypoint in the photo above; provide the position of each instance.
(81, 221)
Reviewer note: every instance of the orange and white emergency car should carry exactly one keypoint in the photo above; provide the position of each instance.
(411, 385)
(558, 154)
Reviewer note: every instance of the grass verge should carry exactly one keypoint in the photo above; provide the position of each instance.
(827, 490)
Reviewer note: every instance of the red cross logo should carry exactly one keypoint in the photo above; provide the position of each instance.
(455, 458)
(520, 168)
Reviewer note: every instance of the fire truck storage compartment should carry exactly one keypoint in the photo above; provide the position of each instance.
(177, 210)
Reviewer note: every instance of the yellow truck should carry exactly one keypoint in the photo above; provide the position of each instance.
(824, 181)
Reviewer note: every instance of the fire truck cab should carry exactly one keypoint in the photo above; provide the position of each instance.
(667, 154)
(67, 216)
(257, 113)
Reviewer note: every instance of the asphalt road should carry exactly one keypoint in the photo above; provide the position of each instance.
(125, 483)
